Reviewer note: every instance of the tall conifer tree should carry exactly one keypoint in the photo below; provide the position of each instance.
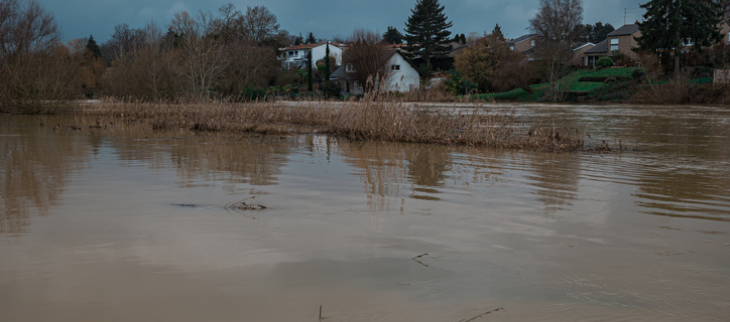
(670, 24)
(93, 47)
(497, 33)
(393, 36)
(327, 63)
(427, 31)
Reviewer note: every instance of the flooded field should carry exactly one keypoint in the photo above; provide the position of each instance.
(130, 224)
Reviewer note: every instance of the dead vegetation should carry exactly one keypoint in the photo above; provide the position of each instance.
(380, 119)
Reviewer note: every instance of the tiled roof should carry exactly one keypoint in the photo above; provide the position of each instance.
(601, 48)
(310, 46)
(581, 45)
(520, 39)
(625, 30)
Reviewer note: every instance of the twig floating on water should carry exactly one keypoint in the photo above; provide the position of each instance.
(420, 262)
(483, 314)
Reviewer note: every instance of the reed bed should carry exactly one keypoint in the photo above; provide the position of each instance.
(365, 120)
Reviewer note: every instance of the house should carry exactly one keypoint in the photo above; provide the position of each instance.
(621, 40)
(579, 50)
(524, 43)
(297, 56)
(591, 56)
(401, 76)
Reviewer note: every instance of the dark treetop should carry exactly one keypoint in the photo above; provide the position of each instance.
(672, 24)
(427, 31)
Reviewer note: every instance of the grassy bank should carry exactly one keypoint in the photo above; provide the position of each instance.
(582, 82)
(379, 120)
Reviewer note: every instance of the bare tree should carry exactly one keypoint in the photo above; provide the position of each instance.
(34, 66)
(260, 24)
(202, 55)
(558, 20)
(150, 70)
(26, 29)
(559, 23)
(250, 65)
(724, 7)
(367, 57)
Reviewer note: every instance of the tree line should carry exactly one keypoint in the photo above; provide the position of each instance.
(223, 55)
(196, 56)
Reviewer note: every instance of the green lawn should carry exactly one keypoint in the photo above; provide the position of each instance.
(517, 94)
(569, 83)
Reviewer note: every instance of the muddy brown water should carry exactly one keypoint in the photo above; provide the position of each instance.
(127, 224)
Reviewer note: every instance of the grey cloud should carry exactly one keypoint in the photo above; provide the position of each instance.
(325, 18)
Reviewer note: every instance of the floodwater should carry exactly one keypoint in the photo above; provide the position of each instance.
(127, 224)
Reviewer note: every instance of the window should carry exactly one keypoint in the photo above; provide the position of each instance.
(394, 67)
(512, 48)
(614, 44)
(532, 43)
(349, 68)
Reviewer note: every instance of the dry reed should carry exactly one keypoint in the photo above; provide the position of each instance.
(380, 119)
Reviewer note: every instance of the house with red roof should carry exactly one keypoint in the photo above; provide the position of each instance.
(297, 56)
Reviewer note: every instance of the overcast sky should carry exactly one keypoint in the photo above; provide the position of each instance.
(325, 18)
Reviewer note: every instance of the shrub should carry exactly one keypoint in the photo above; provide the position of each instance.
(253, 94)
(604, 61)
(330, 89)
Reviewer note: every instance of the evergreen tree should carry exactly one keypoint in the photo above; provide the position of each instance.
(309, 71)
(427, 31)
(463, 39)
(672, 24)
(299, 40)
(497, 32)
(311, 39)
(595, 33)
(93, 47)
(393, 36)
(327, 63)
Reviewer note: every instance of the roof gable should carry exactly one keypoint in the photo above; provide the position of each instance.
(521, 39)
(310, 46)
(625, 30)
(600, 48)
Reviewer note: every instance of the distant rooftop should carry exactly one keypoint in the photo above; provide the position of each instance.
(600, 48)
(310, 46)
(520, 39)
(625, 30)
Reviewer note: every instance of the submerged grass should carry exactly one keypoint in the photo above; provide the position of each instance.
(366, 120)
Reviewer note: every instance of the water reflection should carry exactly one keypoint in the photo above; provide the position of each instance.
(381, 168)
(243, 160)
(203, 157)
(35, 165)
(687, 172)
(555, 179)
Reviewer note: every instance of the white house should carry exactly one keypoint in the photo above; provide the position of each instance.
(296, 56)
(400, 76)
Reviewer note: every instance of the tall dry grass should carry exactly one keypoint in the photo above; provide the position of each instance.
(379, 119)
